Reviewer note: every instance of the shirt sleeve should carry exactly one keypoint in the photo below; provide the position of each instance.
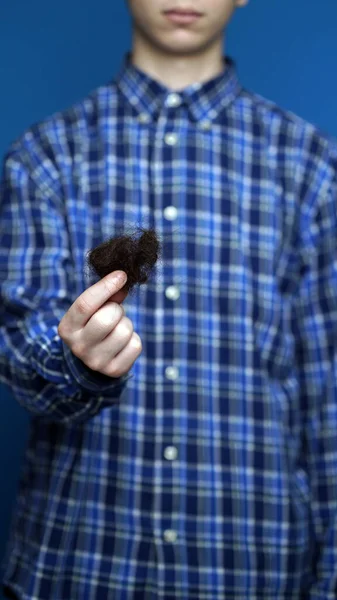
(36, 276)
(315, 328)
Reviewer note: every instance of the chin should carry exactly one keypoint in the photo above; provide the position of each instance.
(180, 47)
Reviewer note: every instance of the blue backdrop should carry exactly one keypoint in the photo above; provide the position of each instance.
(52, 54)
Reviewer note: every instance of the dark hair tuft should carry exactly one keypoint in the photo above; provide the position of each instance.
(135, 253)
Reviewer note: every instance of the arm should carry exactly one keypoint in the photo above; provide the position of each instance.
(315, 329)
(35, 292)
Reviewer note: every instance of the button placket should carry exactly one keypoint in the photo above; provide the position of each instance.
(172, 293)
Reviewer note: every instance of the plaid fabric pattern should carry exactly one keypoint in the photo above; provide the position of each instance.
(210, 470)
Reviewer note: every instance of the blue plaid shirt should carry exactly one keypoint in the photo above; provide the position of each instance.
(209, 471)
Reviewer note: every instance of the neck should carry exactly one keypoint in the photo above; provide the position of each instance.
(177, 71)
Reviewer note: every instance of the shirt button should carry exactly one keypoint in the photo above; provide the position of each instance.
(171, 139)
(205, 124)
(170, 535)
(170, 213)
(143, 118)
(173, 100)
(171, 373)
(170, 452)
(172, 292)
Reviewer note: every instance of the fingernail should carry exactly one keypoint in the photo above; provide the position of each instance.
(121, 276)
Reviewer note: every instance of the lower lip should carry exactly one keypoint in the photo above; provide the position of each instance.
(182, 18)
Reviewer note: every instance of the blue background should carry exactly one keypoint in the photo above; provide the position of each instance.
(52, 54)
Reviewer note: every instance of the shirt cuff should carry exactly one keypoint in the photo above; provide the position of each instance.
(86, 378)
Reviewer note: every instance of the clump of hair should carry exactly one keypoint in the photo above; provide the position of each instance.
(135, 253)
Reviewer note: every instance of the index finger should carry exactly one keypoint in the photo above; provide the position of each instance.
(94, 297)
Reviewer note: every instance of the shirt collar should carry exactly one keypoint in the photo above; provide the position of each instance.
(204, 100)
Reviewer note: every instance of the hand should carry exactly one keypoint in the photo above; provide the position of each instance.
(97, 331)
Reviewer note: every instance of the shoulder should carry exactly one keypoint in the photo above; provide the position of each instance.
(283, 128)
(305, 154)
(50, 144)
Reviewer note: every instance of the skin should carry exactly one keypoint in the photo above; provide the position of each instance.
(95, 327)
(179, 55)
(97, 331)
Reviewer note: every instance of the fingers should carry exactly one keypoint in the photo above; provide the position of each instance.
(124, 360)
(102, 323)
(100, 356)
(88, 303)
(97, 330)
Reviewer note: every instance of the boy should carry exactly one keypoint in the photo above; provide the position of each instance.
(209, 472)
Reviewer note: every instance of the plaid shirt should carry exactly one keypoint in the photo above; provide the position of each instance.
(209, 471)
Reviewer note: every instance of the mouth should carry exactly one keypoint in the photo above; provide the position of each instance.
(182, 16)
